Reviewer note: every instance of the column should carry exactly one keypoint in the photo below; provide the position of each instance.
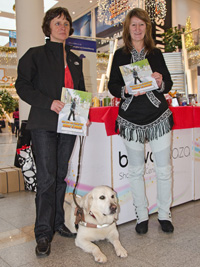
(29, 17)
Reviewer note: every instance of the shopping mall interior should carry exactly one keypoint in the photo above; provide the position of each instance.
(104, 157)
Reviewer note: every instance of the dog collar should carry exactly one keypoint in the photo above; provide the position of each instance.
(91, 225)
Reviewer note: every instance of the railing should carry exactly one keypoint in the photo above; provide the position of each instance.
(191, 55)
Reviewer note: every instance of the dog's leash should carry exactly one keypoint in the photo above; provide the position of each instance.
(79, 211)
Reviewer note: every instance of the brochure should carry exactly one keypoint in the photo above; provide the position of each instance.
(137, 77)
(73, 117)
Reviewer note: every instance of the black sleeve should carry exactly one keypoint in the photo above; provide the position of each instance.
(116, 81)
(26, 72)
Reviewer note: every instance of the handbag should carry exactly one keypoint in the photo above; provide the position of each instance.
(27, 164)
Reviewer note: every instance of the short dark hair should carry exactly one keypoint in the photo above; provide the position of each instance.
(53, 13)
(148, 40)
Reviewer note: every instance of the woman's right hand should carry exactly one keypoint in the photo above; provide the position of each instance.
(57, 106)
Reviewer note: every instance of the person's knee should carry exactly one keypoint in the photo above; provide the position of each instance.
(136, 172)
(164, 173)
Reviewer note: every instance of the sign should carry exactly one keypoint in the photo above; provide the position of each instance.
(86, 50)
(161, 16)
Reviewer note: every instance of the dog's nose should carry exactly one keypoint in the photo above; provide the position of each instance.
(113, 208)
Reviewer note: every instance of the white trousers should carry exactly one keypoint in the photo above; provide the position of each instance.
(161, 150)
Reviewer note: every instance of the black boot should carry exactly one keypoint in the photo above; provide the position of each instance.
(64, 231)
(43, 247)
(142, 228)
(166, 226)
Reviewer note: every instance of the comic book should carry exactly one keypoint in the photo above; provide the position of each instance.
(73, 117)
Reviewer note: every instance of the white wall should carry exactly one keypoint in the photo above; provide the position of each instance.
(181, 9)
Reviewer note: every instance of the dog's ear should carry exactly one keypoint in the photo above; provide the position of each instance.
(86, 201)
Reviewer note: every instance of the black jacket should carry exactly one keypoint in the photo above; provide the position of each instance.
(141, 115)
(40, 81)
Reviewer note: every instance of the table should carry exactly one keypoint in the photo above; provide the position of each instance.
(105, 162)
(184, 117)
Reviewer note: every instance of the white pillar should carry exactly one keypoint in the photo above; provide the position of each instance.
(29, 16)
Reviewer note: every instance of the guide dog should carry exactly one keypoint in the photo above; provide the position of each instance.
(100, 208)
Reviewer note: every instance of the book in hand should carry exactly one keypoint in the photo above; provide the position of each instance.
(137, 77)
(73, 117)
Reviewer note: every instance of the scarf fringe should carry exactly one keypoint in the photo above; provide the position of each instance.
(145, 134)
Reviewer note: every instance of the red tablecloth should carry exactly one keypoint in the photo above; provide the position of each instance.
(184, 117)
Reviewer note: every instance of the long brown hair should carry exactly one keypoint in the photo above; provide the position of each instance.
(148, 40)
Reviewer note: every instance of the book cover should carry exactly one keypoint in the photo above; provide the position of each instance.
(137, 77)
(73, 117)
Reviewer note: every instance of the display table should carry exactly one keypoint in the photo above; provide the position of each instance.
(184, 117)
(105, 161)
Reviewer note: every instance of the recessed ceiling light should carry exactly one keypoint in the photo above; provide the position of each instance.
(73, 12)
(90, 1)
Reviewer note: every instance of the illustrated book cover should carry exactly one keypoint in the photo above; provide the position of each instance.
(137, 77)
(73, 117)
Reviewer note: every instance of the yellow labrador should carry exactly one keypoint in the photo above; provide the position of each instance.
(101, 209)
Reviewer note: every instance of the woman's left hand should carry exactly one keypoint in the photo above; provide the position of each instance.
(158, 77)
(88, 123)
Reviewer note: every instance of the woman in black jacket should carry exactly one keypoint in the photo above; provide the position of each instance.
(144, 117)
(42, 72)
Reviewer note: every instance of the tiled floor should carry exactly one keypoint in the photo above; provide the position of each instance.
(155, 249)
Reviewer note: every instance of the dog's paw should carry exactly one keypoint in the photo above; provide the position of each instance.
(100, 257)
(121, 252)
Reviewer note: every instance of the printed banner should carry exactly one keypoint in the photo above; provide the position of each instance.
(110, 167)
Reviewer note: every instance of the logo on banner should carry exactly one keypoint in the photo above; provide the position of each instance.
(180, 152)
(123, 163)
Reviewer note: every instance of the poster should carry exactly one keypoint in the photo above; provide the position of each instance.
(86, 50)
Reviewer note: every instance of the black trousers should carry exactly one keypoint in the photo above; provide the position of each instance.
(52, 152)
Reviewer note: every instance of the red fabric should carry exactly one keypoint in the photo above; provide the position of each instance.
(108, 115)
(184, 117)
(68, 79)
(196, 116)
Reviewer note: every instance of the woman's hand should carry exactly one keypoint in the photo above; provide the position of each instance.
(158, 77)
(125, 90)
(57, 106)
(88, 123)
(137, 94)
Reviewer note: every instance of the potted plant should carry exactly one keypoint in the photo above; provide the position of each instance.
(172, 39)
(7, 102)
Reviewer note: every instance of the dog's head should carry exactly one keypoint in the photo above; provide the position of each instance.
(102, 202)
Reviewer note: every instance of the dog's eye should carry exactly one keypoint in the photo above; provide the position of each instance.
(112, 196)
(102, 197)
